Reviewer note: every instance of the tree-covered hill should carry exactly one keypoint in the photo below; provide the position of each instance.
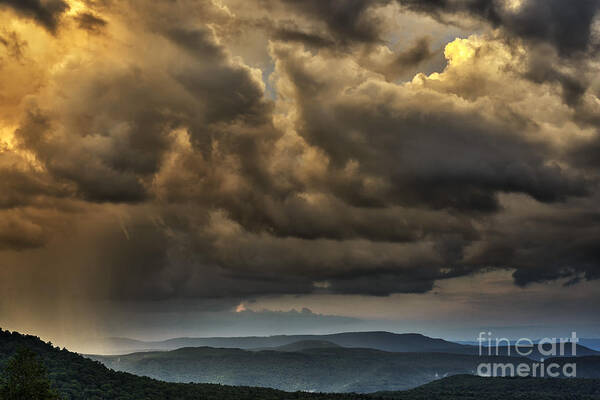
(587, 367)
(78, 378)
(304, 345)
(74, 377)
(468, 387)
(333, 369)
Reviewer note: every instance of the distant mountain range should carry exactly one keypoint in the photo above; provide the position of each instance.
(384, 341)
(318, 366)
(344, 362)
(593, 344)
(534, 352)
(333, 369)
(78, 378)
(303, 345)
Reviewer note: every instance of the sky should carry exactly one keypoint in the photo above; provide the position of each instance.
(232, 167)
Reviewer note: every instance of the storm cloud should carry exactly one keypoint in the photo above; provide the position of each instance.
(224, 152)
(45, 12)
(565, 25)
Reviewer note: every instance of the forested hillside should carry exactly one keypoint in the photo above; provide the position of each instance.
(78, 378)
(73, 377)
(467, 387)
(333, 369)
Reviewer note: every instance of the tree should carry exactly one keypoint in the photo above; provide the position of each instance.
(25, 378)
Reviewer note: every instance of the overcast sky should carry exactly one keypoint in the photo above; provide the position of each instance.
(190, 167)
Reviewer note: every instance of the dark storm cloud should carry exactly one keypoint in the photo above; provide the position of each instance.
(382, 285)
(118, 124)
(574, 84)
(96, 179)
(546, 247)
(349, 267)
(14, 46)
(245, 102)
(586, 153)
(21, 185)
(143, 260)
(487, 9)
(347, 20)
(429, 155)
(346, 183)
(90, 22)
(337, 24)
(185, 256)
(407, 62)
(26, 195)
(333, 219)
(567, 25)
(434, 156)
(414, 55)
(288, 34)
(137, 257)
(196, 41)
(45, 12)
(18, 233)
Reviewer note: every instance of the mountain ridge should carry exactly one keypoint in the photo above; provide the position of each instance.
(380, 340)
(332, 369)
(78, 378)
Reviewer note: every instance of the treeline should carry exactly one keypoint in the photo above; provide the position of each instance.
(469, 387)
